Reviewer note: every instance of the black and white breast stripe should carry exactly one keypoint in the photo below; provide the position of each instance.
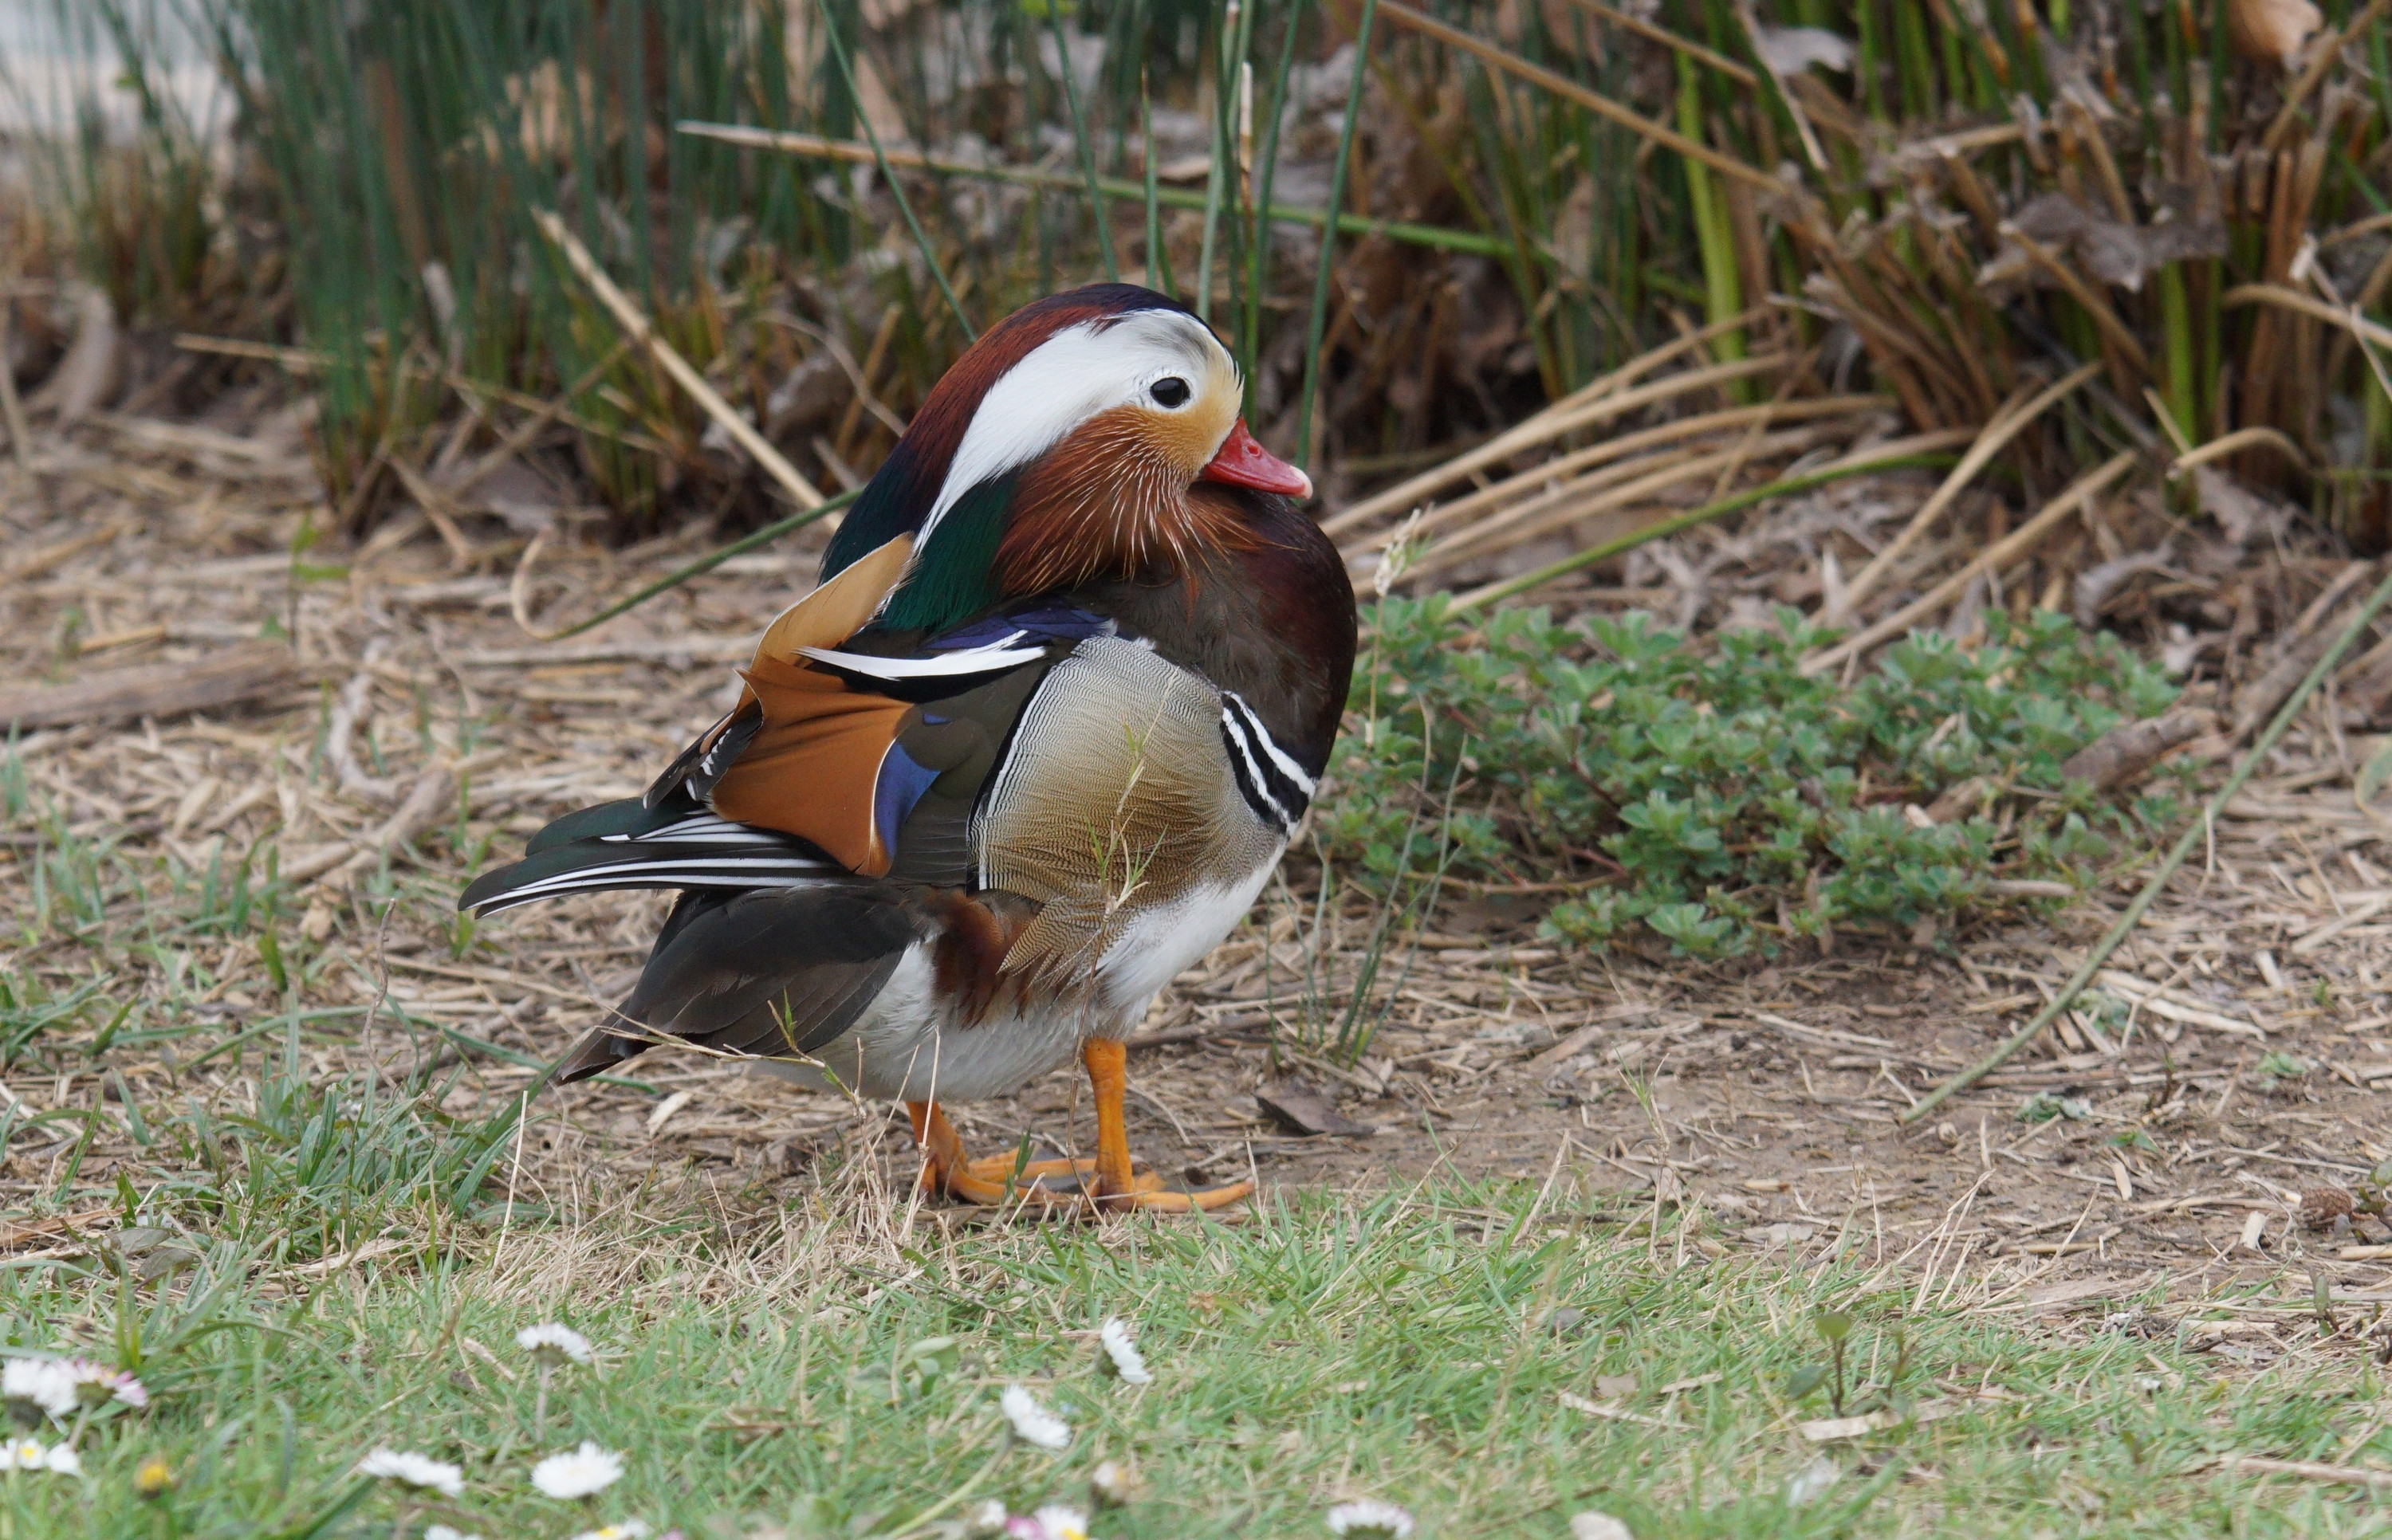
(1273, 784)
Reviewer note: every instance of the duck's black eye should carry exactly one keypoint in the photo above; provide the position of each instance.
(1169, 390)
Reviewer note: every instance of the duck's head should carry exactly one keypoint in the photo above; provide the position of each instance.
(1066, 444)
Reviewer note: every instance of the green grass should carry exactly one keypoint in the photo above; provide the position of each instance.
(772, 1371)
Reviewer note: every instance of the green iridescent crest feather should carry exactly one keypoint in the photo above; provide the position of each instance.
(952, 577)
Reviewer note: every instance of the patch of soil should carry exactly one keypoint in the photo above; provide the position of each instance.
(2238, 1058)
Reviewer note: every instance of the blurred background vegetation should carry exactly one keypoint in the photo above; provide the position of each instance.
(1933, 198)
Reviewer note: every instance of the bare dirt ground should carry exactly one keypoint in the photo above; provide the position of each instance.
(2243, 1057)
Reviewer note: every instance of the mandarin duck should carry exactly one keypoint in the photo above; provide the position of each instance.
(1030, 750)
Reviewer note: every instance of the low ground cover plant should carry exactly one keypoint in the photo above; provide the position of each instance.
(1711, 797)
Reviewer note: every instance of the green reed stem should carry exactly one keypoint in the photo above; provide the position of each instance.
(712, 560)
(880, 158)
(1226, 74)
(1315, 326)
(1258, 234)
(1080, 137)
(2178, 351)
(1215, 179)
(1714, 233)
(1158, 260)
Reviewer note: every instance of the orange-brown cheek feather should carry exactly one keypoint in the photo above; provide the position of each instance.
(1112, 500)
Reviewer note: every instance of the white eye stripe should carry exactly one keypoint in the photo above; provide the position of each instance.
(1072, 376)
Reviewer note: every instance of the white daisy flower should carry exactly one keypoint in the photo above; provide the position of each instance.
(984, 1518)
(1057, 1522)
(1598, 1526)
(28, 1455)
(1114, 1483)
(401, 1465)
(96, 1384)
(42, 1382)
(442, 1532)
(577, 1472)
(1127, 1361)
(554, 1344)
(1032, 1422)
(630, 1529)
(1372, 1517)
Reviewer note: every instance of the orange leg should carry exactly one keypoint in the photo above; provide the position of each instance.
(1117, 1185)
(946, 1169)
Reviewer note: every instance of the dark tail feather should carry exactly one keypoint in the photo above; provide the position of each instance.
(628, 845)
(767, 973)
(602, 1048)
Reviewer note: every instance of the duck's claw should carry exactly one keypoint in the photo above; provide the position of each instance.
(1162, 1200)
(997, 1168)
(1108, 1184)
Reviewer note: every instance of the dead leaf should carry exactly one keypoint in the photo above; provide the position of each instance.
(2112, 251)
(2125, 752)
(1301, 1108)
(2272, 30)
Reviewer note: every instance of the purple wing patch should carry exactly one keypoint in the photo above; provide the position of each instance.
(901, 785)
(1033, 627)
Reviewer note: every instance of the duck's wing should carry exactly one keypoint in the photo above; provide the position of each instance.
(855, 761)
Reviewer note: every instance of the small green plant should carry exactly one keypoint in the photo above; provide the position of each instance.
(1834, 1328)
(1714, 798)
(2278, 1066)
(2042, 1107)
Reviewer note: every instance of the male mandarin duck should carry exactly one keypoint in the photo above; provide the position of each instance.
(1029, 751)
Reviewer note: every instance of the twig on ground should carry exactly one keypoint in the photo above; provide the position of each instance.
(154, 689)
(2312, 1470)
(434, 793)
(708, 562)
(2127, 750)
